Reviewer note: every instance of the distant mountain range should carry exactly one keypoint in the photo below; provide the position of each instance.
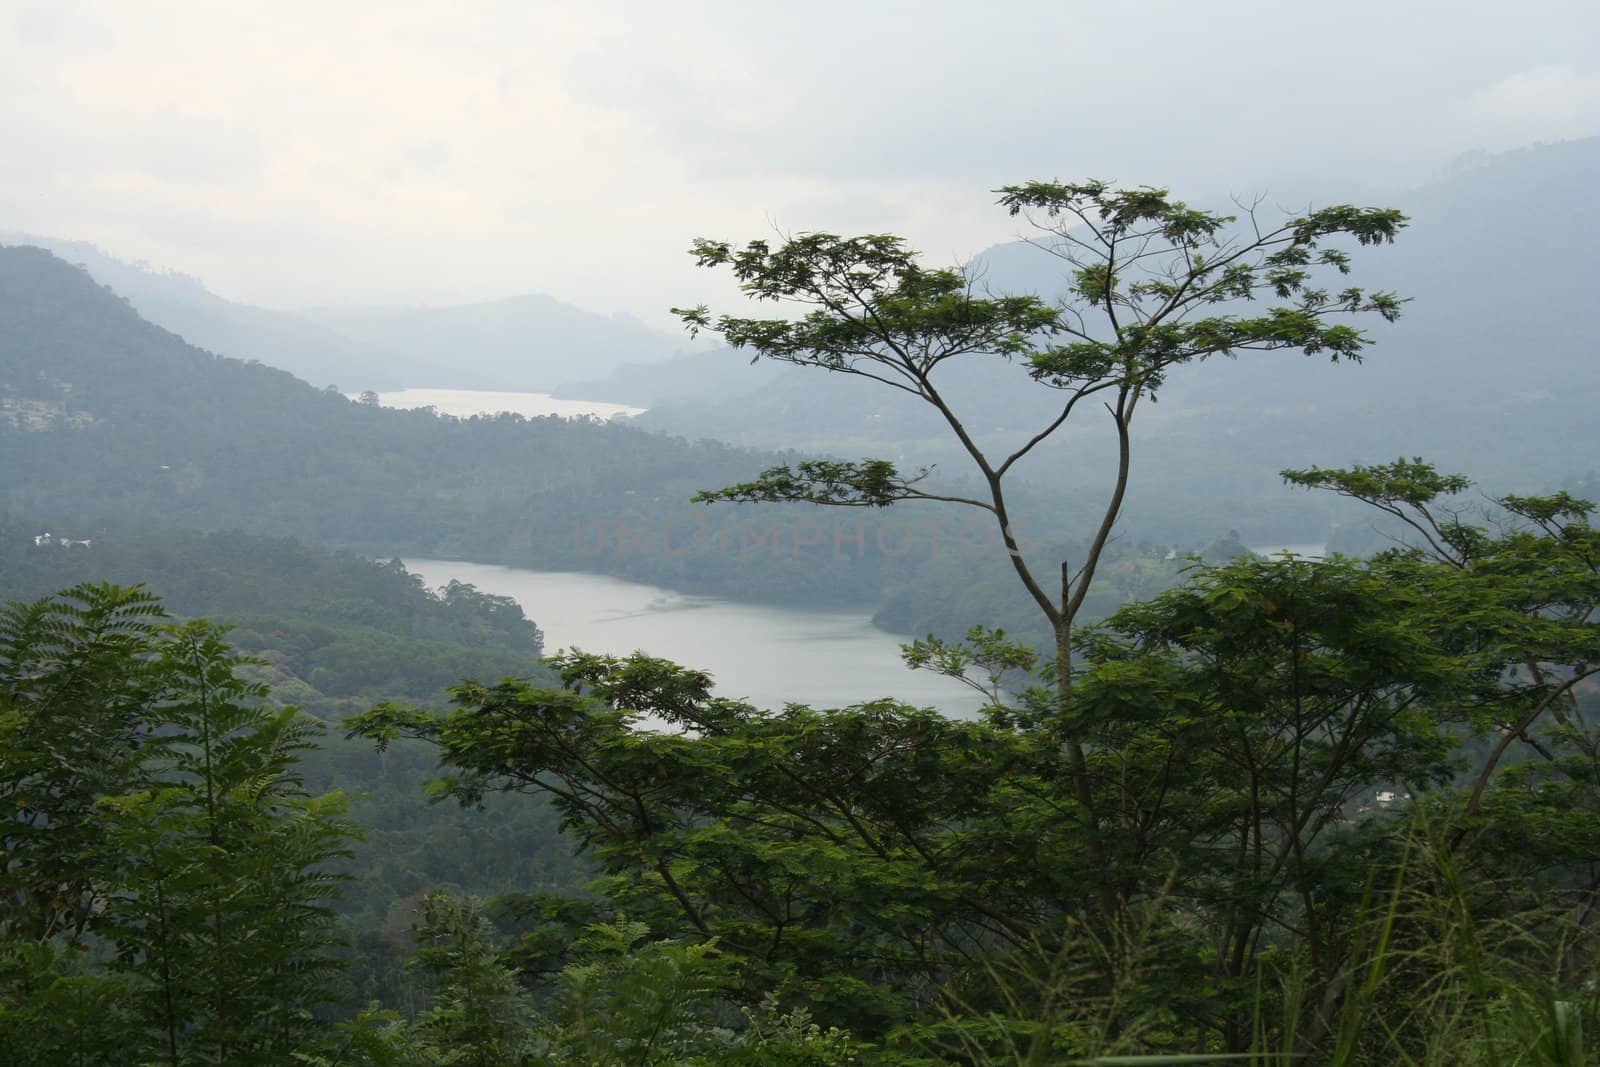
(105, 416)
(524, 343)
(1491, 369)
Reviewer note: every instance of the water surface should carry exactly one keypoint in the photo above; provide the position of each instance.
(469, 402)
(1309, 550)
(768, 656)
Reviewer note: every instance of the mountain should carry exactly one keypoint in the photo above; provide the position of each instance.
(527, 343)
(279, 339)
(110, 425)
(108, 421)
(688, 378)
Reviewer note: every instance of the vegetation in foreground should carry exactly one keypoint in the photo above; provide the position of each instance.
(1345, 810)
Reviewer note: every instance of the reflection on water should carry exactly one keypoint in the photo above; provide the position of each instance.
(469, 402)
(768, 656)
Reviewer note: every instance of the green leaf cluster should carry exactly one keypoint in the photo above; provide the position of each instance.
(156, 825)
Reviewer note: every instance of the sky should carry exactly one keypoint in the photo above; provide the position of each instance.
(292, 153)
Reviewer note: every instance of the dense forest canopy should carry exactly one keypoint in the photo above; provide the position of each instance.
(335, 629)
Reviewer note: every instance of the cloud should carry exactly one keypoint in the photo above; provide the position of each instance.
(1542, 103)
(308, 152)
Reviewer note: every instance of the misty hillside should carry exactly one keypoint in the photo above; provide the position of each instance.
(104, 415)
(279, 339)
(689, 379)
(525, 343)
(1490, 355)
(108, 421)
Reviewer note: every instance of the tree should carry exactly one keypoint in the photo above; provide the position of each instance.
(77, 687)
(1153, 285)
(1524, 597)
(480, 1016)
(868, 858)
(222, 894)
(1264, 744)
(159, 816)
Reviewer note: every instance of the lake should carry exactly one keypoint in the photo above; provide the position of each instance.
(469, 402)
(767, 656)
(1309, 550)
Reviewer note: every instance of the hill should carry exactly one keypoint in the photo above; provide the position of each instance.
(107, 420)
(338, 632)
(526, 343)
(279, 339)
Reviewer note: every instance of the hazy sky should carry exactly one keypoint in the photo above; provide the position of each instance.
(292, 152)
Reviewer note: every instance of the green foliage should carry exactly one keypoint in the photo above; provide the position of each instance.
(694, 829)
(1264, 747)
(1343, 809)
(934, 311)
(342, 631)
(479, 1016)
(1001, 661)
(75, 690)
(374, 1038)
(634, 1000)
(332, 632)
(56, 1007)
(626, 998)
(158, 820)
(872, 484)
(1154, 287)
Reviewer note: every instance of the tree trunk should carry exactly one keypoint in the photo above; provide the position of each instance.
(1063, 630)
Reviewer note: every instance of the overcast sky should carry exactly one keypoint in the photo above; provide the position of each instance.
(292, 152)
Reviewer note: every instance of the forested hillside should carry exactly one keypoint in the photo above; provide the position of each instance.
(876, 884)
(279, 339)
(108, 420)
(337, 632)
